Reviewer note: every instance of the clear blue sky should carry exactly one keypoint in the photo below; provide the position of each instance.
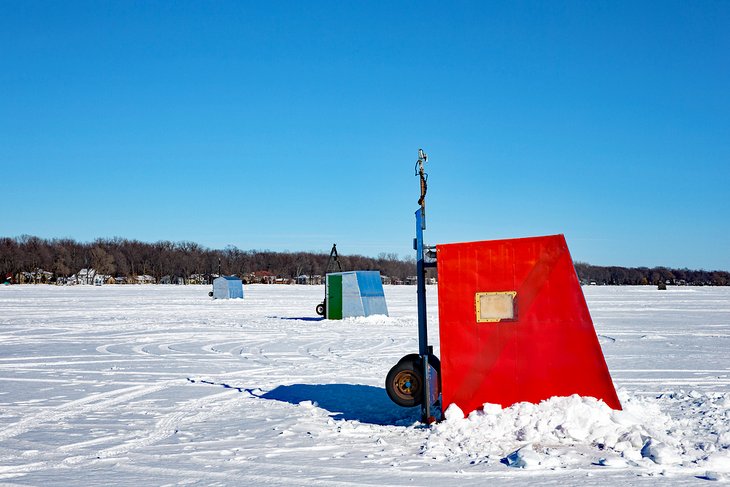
(293, 125)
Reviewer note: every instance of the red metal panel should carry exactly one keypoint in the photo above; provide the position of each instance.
(549, 349)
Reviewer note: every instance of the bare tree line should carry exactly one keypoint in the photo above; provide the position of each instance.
(61, 258)
(590, 274)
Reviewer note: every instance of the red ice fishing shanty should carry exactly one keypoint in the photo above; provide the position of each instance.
(514, 326)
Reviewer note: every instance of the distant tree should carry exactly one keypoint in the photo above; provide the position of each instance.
(63, 262)
(9, 258)
(719, 279)
(102, 261)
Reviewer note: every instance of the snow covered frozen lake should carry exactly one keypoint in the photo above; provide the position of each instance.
(160, 385)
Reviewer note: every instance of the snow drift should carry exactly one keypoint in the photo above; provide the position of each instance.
(575, 431)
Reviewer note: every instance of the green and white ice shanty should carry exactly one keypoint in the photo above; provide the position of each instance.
(354, 293)
(227, 287)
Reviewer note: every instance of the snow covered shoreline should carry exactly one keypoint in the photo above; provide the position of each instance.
(160, 384)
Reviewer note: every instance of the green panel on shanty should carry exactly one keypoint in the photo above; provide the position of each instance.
(334, 297)
(354, 293)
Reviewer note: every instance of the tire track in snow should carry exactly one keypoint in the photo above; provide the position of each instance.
(190, 411)
(280, 473)
(247, 477)
(81, 406)
(195, 410)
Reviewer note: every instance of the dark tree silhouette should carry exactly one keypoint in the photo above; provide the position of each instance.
(25, 256)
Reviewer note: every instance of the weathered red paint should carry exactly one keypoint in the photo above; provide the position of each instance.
(549, 349)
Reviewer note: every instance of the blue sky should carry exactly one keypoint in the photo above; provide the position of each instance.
(293, 125)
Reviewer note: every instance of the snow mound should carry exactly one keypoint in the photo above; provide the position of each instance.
(580, 431)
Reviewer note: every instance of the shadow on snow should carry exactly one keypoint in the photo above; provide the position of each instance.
(354, 402)
(299, 318)
(351, 402)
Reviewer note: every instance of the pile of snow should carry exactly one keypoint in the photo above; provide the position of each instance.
(579, 431)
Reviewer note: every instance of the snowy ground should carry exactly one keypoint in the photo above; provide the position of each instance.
(160, 385)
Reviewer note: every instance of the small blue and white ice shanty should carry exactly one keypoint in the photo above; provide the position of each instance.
(227, 287)
(354, 293)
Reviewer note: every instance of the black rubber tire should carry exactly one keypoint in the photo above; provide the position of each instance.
(320, 309)
(433, 360)
(404, 383)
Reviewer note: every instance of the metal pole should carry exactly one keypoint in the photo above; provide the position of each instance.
(423, 349)
(421, 287)
(422, 322)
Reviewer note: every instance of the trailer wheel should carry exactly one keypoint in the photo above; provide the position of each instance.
(433, 360)
(320, 309)
(404, 384)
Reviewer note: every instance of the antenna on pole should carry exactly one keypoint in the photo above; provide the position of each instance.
(422, 159)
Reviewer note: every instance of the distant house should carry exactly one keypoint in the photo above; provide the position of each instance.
(227, 287)
(261, 277)
(385, 279)
(172, 280)
(144, 279)
(38, 276)
(84, 276)
(200, 278)
(311, 280)
(100, 279)
(411, 280)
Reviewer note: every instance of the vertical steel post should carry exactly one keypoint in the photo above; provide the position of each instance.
(421, 285)
(422, 323)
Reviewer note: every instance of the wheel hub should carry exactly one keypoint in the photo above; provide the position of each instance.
(406, 384)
